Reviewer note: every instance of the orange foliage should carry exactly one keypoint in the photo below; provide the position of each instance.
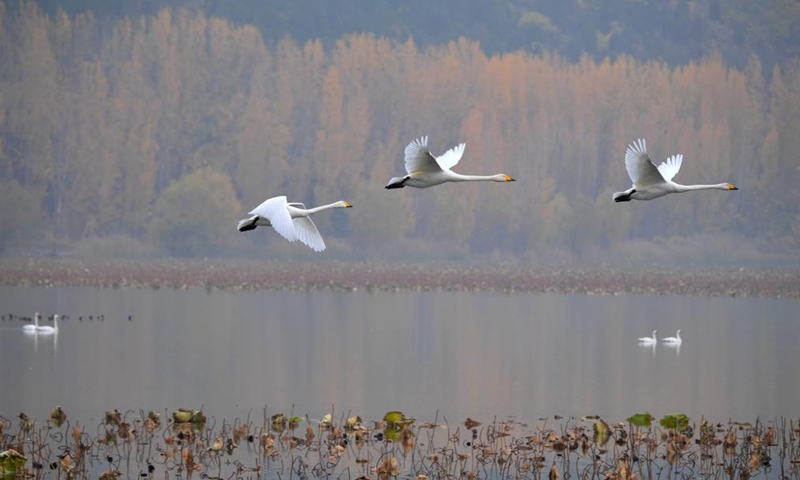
(139, 106)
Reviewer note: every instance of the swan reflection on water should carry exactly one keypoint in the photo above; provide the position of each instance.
(649, 346)
(673, 346)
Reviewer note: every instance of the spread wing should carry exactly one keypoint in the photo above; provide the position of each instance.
(307, 233)
(451, 157)
(419, 158)
(671, 166)
(276, 212)
(640, 168)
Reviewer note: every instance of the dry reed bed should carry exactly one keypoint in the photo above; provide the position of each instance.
(335, 275)
(130, 445)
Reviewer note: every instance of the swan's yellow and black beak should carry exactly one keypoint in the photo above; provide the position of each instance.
(732, 187)
(348, 205)
(509, 179)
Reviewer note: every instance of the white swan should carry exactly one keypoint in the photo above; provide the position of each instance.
(32, 327)
(424, 170)
(651, 182)
(291, 220)
(648, 340)
(47, 329)
(676, 340)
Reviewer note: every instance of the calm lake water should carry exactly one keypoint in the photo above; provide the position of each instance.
(463, 354)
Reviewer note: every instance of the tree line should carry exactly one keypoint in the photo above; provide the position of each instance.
(676, 31)
(166, 129)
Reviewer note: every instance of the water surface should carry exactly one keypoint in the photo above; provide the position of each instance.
(461, 354)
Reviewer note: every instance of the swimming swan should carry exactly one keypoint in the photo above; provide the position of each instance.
(32, 327)
(46, 329)
(290, 220)
(650, 182)
(424, 170)
(648, 340)
(676, 340)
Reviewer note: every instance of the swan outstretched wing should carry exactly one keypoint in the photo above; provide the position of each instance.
(419, 158)
(307, 233)
(451, 157)
(640, 168)
(275, 211)
(670, 167)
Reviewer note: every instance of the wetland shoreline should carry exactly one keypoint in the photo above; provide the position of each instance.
(243, 274)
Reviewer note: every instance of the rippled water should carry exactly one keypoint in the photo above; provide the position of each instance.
(461, 354)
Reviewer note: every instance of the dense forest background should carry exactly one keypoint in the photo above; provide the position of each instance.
(675, 31)
(154, 130)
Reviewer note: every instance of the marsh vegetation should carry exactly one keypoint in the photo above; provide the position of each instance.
(232, 274)
(192, 444)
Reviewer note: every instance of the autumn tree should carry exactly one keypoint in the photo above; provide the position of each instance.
(192, 216)
(107, 126)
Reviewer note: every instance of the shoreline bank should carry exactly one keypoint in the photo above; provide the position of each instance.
(239, 274)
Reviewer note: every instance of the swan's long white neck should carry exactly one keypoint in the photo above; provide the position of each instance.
(689, 188)
(321, 208)
(302, 212)
(457, 177)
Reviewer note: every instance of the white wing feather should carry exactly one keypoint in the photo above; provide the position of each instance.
(451, 157)
(419, 158)
(640, 168)
(671, 166)
(275, 211)
(307, 233)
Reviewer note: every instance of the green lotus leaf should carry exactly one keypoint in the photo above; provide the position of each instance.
(392, 433)
(198, 417)
(641, 419)
(182, 415)
(12, 462)
(394, 418)
(675, 421)
(601, 432)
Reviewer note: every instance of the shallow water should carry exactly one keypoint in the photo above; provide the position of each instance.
(461, 354)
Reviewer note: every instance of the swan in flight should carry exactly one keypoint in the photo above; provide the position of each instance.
(290, 220)
(651, 182)
(46, 329)
(676, 340)
(32, 327)
(424, 170)
(648, 340)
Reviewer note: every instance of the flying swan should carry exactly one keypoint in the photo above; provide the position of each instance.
(648, 340)
(650, 182)
(676, 340)
(290, 220)
(424, 170)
